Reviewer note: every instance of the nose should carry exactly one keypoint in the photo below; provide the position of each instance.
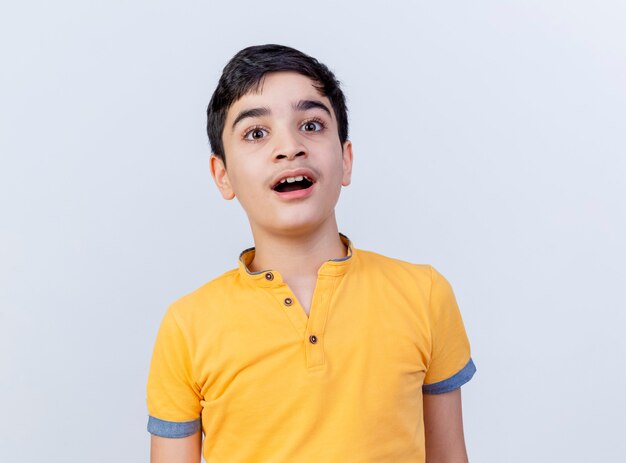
(288, 146)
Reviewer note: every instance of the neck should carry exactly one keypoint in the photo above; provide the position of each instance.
(298, 255)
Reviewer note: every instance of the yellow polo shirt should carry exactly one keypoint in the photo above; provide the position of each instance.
(239, 359)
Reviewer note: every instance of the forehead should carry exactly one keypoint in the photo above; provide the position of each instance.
(277, 90)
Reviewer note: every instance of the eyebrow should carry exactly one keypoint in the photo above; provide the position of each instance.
(302, 105)
(254, 112)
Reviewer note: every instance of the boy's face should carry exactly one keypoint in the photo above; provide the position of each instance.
(286, 132)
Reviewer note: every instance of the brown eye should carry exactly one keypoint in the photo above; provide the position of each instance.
(255, 134)
(312, 126)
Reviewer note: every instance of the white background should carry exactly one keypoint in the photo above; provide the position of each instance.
(489, 141)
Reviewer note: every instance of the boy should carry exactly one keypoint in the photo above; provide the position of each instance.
(311, 350)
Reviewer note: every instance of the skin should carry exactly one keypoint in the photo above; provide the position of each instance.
(295, 236)
(184, 450)
(443, 428)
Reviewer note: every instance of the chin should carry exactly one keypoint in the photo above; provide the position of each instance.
(294, 228)
(296, 225)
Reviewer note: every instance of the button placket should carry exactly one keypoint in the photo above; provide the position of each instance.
(288, 305)
(316, 327)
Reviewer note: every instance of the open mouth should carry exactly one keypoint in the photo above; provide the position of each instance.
(300, 182)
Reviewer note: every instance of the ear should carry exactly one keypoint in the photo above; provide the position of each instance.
(347, 163)
(218, 171)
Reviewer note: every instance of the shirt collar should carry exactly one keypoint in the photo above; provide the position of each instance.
(269, 277)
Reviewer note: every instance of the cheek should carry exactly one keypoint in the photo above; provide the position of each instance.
(337, 169)
(249, 189)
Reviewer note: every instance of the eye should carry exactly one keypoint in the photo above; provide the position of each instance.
(255, 134)
(314, 125)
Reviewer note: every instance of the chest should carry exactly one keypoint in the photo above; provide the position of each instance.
(348, 330)
(351, 370)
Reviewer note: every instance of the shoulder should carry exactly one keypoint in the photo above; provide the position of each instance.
(380, 264)
(408, 274)
(199, 302)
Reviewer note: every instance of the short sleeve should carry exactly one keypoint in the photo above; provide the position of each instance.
(173, 397)
(450, 364)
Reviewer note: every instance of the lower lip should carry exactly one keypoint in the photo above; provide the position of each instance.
(296, 194)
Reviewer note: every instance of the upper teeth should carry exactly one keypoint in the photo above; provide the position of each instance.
(295, 179)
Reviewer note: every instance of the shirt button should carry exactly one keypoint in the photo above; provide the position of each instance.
(312, 339)
(269, 276)
(288, 301)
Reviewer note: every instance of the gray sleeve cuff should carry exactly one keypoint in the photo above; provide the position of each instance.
(173, 429)
(453, 382)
